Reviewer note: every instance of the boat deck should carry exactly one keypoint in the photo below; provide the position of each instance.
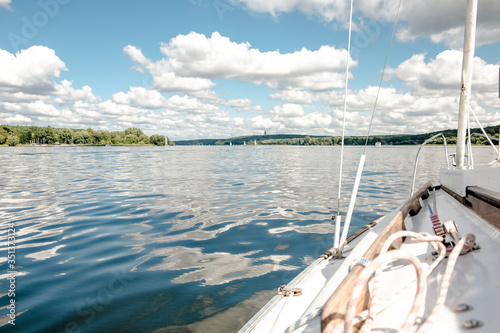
(473, 281)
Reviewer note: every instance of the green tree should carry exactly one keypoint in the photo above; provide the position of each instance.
(12, 140)
(4, 134)
(97, 138)
(81, 137)
(144, 139)
(134, 131)
(25, 134)
(157, 140)
(65, 136)
(91, 137)
(131, 139)
(117, 137)
(106, 137)
(44, 135)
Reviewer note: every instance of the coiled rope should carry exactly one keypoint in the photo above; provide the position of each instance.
(385, 257)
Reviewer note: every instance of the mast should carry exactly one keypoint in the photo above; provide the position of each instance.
(468, 58)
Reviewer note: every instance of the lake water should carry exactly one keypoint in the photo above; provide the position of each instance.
(176, 239)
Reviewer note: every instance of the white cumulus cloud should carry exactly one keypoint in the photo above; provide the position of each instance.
(141, 97)
(30, 70)
(192, 61)
(441, 21)
(327, 9)
(442, 74)
(5, 3)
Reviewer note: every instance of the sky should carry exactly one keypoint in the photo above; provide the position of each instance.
(192, 69)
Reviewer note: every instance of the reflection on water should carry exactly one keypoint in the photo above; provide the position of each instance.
(168, 239)
(214, 268)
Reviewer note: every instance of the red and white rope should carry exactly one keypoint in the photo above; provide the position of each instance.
(378, 304)
(445, 282)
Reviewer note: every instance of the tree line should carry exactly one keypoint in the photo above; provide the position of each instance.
(396, 140)
(309, 140)
(25, 135)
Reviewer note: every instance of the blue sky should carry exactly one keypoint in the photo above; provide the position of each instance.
(213, 69)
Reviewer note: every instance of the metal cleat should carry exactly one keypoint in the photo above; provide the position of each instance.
(451, 229)
(289, 292)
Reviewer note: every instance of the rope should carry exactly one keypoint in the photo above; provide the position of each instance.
(445, 283)
(367, 274)
(273, 329)
(304, 320)
(378, 305)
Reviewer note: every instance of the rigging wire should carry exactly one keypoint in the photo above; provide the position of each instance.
(340, 245)
(338, 217)
(345, 108)
(482, 129)
(382, 76)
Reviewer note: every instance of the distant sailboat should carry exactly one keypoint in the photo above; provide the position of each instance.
(244, 143)
(255, 142)
(230, 143)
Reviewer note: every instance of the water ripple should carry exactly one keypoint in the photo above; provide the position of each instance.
(121, 239)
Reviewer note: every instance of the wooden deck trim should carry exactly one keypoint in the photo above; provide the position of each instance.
(481, 201)
(485, 203)
(490, 197)
(334, 309)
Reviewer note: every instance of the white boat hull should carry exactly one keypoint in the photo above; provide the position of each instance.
(475, 280)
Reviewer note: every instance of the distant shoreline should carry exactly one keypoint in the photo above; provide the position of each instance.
(64, 145)
(310, 140)
(11, 135)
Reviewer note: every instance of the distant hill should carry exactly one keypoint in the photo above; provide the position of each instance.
(240, 140)
(299, 139)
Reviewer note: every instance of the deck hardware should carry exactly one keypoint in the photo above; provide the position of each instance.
(463, 308)
(337, 254)
(451, 228)
(326, 255)
(289, 292)
(473, 323)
